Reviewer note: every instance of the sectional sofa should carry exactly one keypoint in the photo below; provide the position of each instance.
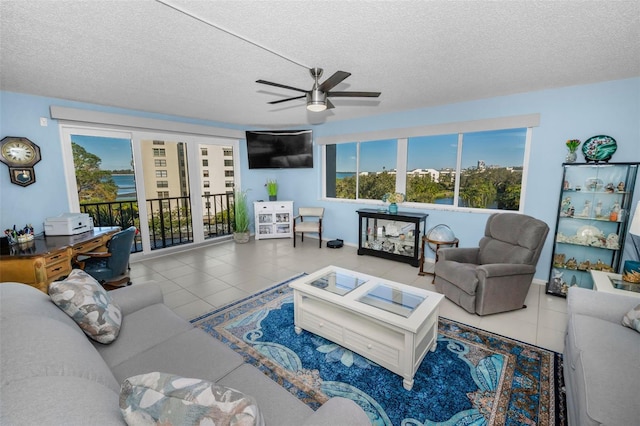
(52, 373)
(601, 360)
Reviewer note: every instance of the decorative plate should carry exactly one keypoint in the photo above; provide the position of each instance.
(599, 148)
(588, 231)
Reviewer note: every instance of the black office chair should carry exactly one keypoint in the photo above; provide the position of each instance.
(110, 268)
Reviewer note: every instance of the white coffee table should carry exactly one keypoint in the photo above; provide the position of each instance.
(392, 324)
(602, 282)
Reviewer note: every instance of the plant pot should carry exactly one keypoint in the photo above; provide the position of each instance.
(273, 198)
(241, 237)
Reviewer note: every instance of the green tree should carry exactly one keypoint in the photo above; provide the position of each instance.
(373, 186)
(94, 184)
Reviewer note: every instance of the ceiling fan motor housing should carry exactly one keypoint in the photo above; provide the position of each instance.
(316, 100)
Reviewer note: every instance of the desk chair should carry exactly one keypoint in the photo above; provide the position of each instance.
(496, 276)
(110, 268)
(309, 219)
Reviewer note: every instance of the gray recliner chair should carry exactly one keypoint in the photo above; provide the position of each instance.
(496, 276)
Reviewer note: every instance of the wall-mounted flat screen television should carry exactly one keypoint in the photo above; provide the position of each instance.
(280, 149)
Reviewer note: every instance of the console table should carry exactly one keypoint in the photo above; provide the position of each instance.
(46, 259)
(394, 236)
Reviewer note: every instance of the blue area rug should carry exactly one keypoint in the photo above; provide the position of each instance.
(473, 378)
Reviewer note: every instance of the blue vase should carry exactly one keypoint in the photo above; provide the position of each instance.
(393, 208)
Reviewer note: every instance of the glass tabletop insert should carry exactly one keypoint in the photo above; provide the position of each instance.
(624, 285)
(392, 300)
(337, 283)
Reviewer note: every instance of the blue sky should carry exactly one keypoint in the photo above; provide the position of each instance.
(500, 147)
(115, 153)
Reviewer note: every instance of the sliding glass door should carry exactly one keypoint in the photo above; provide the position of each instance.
(176, 189)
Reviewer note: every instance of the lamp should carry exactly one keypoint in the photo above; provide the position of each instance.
(634, 229)
(316, 100)
(630, 271)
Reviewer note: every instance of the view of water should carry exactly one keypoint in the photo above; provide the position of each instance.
(126, 186)
(342, 175)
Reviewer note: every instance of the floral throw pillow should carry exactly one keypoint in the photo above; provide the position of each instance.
(632, 319)
(166, 399)
(82, 298)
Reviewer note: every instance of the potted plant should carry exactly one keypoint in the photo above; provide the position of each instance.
(240, 217)
(272, 189)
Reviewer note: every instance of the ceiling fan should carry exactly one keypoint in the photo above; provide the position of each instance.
(318, 96)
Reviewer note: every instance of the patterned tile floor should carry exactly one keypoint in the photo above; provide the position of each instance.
(196, 281)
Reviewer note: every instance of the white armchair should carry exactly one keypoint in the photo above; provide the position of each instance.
(309, 219)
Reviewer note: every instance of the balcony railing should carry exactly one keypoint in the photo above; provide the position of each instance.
(169, 219)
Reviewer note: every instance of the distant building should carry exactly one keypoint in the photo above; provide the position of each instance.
(166, 171)
(432, 173)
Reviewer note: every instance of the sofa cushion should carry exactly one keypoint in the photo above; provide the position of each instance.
(33, 346)
(610, 387)
(191, 353)
(82, 298)
(278, 406)
(160, 398)
(55, 400)
(591, 334)
(24, 300)
(632, 319)
(141, 330)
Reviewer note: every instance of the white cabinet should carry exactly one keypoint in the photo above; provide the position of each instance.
(273, 219)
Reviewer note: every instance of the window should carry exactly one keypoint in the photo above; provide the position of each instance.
(158, 142)
(163, 194)
(228, 173)
(205, 162)
(160, 163)
(431, 169)
(227, 152)
(206, 183)
(483, 169)
(204, 151)
(228, 185)
(161, 173)
(162, 184)
(228, 163)
(205, 173)
(159, 152)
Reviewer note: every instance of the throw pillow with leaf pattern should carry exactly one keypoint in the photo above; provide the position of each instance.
(167, 399)
(82, 298)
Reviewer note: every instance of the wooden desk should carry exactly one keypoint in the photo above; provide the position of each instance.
(46, 259)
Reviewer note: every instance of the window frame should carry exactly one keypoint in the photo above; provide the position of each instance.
(528, 122)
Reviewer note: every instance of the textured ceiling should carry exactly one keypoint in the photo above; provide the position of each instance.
(144, 55)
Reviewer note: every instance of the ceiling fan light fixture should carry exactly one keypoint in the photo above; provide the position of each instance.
(316, 100)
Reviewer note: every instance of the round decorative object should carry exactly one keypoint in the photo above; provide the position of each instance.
(440, 233)
(18, 152)
(393, 208)
(599, 148)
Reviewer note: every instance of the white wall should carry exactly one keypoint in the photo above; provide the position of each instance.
(610, 108)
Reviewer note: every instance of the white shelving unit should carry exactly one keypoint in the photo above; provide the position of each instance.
(273, 219)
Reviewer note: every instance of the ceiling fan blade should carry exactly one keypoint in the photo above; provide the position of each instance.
(280, 85)
(333, 81)
(286, 100)
(354, 94)
(330, 105)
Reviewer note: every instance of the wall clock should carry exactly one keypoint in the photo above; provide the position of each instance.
(20, 154)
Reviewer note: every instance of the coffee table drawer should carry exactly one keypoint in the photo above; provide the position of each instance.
(319, 325)
(374, 350)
